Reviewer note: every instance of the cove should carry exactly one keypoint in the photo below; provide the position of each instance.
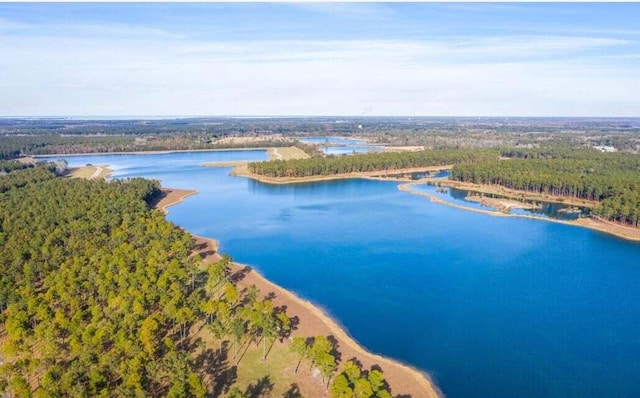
(489, 306)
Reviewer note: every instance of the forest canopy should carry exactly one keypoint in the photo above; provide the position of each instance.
(369, 162)
(94, 287)
(612, 179)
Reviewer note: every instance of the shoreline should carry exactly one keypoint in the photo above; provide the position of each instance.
(620, 231)
(402, 378)
(381, 175)
(170, 197)
(509, 193)
(617, 230)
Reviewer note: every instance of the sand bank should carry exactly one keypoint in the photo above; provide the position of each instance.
(503, 205)
(171, 196)
(403, 379)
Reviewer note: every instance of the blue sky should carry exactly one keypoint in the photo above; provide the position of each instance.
(427, 59)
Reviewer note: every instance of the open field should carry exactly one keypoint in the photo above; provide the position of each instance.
(89, 172)
(283, 153)
(286, 153)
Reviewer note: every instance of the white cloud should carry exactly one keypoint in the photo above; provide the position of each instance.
(467, 76)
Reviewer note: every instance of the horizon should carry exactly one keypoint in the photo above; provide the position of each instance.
(176, 117)
(269, 60)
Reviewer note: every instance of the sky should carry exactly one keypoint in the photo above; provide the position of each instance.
(352, 59)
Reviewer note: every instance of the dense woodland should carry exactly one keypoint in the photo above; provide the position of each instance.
(100, 296)
(357, 163)
(96, 290)
(613, 179)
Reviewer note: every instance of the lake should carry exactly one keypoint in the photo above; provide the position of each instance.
(489, 306)
(341, 145)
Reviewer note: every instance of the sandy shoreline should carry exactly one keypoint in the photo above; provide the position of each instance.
(511, 193)
(620, 231)
(384, 175)
(502, 205)
(611, 228)
(170, 197)
(313, 321)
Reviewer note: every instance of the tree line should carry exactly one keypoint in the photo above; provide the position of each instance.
(612, 179)
(357, 163)
(12, 147)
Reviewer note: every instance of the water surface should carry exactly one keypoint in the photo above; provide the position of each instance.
(489, 306)
(342, 146)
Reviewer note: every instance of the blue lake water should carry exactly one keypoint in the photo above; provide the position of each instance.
(489, 306)
(332, 140)
(342, 146)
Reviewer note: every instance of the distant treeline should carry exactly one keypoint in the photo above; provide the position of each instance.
(369, 162)
(611, 178)
(13, 146)
(46, 136)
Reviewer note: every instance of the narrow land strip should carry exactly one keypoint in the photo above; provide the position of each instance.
(403, 379)
(387, 175)
(502, 205)
(591, 223)
(171, 196)
(510, 193)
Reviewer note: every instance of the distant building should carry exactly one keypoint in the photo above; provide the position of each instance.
(605, 148)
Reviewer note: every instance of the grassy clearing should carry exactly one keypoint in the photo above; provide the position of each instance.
(286, 153)
(89, 172)
(275, 377)
(81, 172)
